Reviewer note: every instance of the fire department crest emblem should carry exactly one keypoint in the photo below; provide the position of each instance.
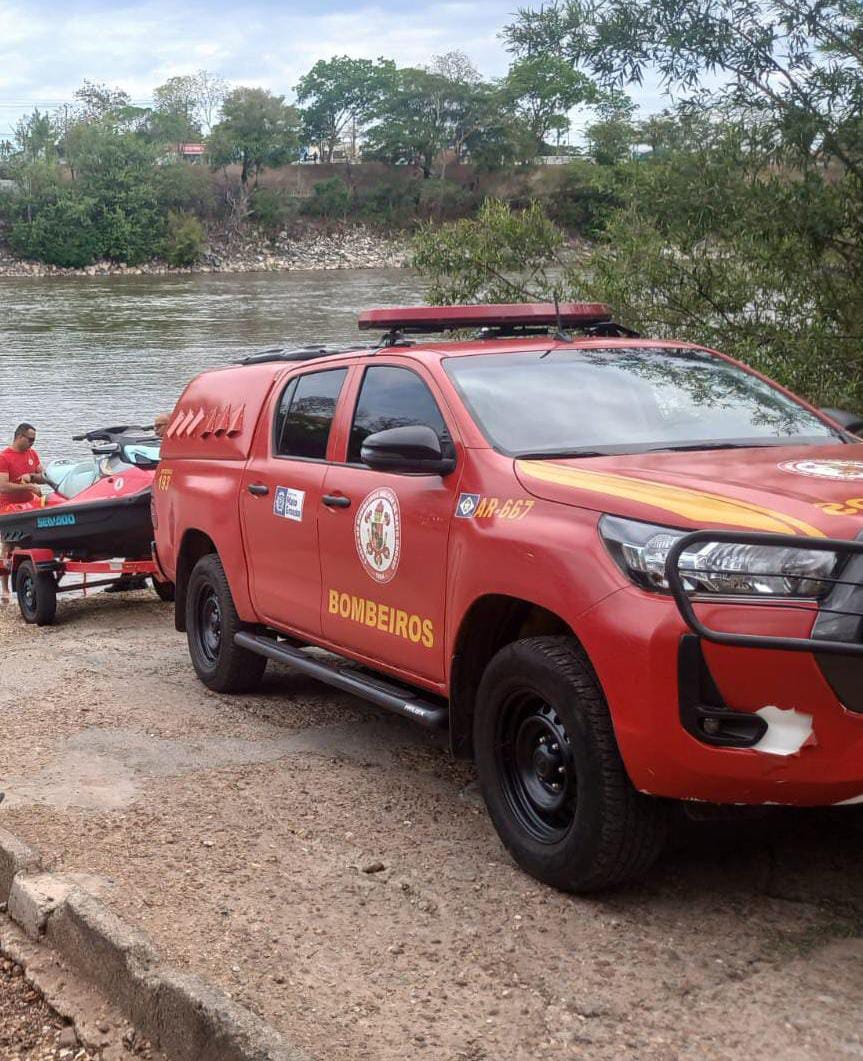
(842, 470)
(377, 532)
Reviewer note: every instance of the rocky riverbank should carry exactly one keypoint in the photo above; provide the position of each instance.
(348, 248)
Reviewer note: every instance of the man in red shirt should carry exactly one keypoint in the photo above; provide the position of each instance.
(20, 472)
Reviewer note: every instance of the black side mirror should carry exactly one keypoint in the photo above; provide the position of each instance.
(852, 422)
(407, 449)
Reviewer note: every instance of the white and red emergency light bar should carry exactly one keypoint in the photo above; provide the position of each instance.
(506, 315)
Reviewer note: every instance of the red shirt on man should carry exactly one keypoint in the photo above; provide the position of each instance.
(15, 464)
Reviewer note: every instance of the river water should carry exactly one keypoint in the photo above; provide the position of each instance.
(84, 352)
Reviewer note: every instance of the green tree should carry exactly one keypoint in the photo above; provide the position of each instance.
(257, 130)
(186, 106)
(501, 255)
(611, 138)
(542, 90)
(794, 63)
(339, 97)
(97, 101)
(424, 115)
(174, 117)
(36, 138)
(747, 231)
(116, 172)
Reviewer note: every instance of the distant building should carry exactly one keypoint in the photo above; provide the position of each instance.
(191, 152)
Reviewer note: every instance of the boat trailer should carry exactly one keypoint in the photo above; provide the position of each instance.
(37, 576)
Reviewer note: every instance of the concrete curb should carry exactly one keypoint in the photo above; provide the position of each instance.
(182, 1015)
(15, 858)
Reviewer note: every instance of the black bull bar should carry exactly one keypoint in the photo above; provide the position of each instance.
(838, 626)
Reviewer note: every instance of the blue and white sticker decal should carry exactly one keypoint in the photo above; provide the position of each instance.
(288, 503)
(467, 505)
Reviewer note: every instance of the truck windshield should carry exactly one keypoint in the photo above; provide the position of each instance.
(626, 400)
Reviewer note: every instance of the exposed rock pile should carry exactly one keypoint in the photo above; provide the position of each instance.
(346, 248)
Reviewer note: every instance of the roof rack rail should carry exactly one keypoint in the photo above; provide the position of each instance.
(279, 353)
(309, 353)
(611, 330)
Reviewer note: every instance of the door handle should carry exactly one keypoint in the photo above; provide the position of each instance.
(258, 489)
(336, 501)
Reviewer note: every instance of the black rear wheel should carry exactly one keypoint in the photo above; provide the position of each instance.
(211, 623)
(551, 773)
(37, 594)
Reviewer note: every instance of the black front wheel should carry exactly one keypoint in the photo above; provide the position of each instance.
(211, 623)
(37, 594)
(551, 773)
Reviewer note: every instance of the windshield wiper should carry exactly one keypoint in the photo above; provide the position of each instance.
(551, 455)
(692, 446)
(622, 451)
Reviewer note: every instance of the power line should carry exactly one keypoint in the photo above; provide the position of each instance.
(23, 102)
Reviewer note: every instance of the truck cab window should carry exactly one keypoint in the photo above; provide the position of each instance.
(306, 414)
(392, 397)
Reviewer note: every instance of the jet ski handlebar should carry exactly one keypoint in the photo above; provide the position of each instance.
(110, 434)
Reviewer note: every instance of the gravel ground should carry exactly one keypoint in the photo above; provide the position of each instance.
(28, 1028)
(334, 870)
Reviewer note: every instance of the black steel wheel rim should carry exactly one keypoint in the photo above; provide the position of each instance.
(28, 591)
(536, 767)
(208, 625)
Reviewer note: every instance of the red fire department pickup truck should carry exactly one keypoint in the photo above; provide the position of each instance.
(620, 572)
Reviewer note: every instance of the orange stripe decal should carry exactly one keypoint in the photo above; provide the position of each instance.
(698, 506)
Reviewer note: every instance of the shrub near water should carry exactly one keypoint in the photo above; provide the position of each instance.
(62, 233)
(330, 200)
(185, 240)
(272, 211)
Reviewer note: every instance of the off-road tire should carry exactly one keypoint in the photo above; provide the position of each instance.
(211, 622)
(597, 831)
(37, 594)
(163, 590)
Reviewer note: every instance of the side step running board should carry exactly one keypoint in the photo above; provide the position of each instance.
(377, 691)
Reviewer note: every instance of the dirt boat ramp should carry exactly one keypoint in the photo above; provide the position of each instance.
(333, 870)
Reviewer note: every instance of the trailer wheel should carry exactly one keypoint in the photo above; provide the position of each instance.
(551, 773)
(37, 594)
(164, 590)
(211, 622)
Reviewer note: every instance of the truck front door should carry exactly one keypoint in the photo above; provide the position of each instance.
(281, 500)
(384, 536)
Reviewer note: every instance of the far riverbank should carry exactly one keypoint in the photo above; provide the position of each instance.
(354, 247)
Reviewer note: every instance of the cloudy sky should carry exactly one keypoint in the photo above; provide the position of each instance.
(48, 48)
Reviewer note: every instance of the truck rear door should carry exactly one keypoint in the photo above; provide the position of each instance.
(280, 500)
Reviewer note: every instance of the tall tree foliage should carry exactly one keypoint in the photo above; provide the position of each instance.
(257, 130)
(339, 96)
(542, 90)
(750, 236)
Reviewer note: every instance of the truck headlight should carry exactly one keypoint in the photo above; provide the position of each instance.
(735, 568)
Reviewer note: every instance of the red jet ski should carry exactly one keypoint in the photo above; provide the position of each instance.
(97, 509)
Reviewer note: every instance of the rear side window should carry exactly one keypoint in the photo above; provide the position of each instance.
(306, 414)
(392, 397)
